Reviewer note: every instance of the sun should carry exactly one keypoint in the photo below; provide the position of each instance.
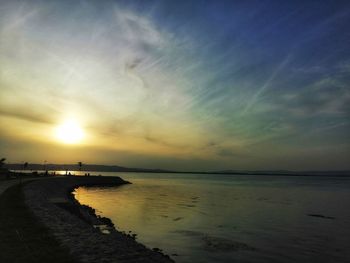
(69, 132)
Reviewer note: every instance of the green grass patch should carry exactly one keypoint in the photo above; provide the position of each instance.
(23, 239)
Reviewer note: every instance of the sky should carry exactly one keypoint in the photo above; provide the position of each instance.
(185, 85)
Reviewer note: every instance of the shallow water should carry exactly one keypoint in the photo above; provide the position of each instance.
(231, 218)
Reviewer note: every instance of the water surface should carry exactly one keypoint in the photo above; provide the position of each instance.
(231, 218)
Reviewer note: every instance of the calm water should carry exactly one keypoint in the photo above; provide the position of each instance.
(231, 218)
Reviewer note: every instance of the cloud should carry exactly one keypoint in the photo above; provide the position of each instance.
(267, 83)
(328, 96)
(25, 115)
(151, 78)
(228, 152)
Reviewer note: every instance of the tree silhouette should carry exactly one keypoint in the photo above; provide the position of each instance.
(80, 164)
(2, 162)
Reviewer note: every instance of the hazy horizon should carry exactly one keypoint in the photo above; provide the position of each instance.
(85, 167)
(178, 85)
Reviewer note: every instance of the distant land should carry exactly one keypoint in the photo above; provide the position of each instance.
(84, 167)
(116, 168)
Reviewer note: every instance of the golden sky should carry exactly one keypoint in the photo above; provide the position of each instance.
(156, 86)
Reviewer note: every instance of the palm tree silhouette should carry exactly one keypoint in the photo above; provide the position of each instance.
(2, 162)
(80, 164)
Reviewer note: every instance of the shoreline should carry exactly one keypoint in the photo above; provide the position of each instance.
(88, 236)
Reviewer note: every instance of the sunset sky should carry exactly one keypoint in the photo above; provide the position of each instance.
(184, 85)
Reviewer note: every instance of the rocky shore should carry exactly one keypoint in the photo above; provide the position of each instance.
(89, 238)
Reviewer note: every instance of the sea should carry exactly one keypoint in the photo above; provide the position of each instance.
(231, 218)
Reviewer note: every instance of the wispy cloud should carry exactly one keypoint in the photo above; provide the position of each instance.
(186, 81)
(267, 83)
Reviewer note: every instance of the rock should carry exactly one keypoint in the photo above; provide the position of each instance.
(73, 224)
(224, 245)
(321, 216)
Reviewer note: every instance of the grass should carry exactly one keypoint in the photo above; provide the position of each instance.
(23, 239)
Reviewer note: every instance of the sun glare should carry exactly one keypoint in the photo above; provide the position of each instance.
(69, 132)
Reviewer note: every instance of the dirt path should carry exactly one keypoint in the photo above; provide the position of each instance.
(6, 184)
